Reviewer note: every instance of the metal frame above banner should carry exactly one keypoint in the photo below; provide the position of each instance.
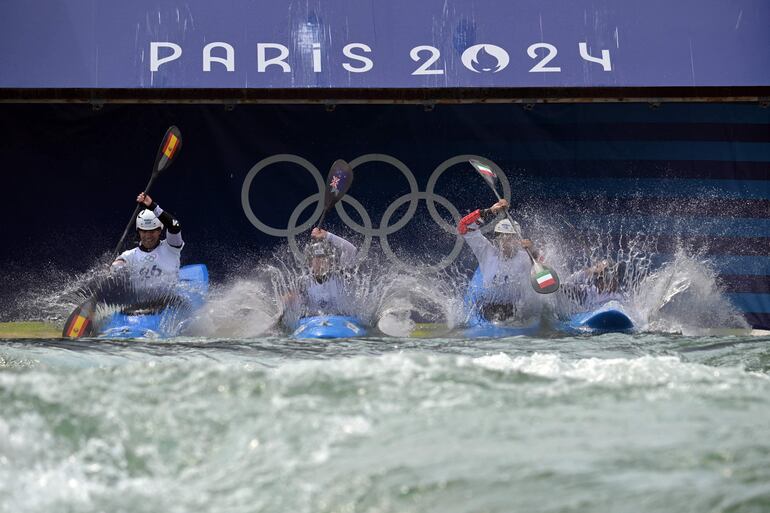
(425, 96)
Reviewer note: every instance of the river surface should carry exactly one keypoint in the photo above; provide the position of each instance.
(612, 423)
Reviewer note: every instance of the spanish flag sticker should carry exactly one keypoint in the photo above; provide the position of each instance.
(80, 325)
(171, 145)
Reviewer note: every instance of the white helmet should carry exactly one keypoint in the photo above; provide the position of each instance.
(320, 249)
(505, 226)
(147, 220)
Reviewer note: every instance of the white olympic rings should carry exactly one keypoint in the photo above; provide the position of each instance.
(368, 230)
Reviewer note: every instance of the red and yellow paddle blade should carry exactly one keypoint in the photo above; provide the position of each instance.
(80, 322)
(169, 149)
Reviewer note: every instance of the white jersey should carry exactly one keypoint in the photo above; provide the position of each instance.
(151, 269)
(505, 280)
(326, 297)
(330, 297)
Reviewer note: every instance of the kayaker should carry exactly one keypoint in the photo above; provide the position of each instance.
(154, 262)
(503, 263)
(597, 284)
(322, 291)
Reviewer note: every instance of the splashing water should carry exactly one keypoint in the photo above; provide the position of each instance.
(416, 298)
(48, 294)
(684, 296)
(242, 309)
(679, 296)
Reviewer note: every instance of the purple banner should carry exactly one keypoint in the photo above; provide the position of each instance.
(384, 44)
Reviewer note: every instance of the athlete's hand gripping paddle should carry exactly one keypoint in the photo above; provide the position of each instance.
(338, 181)
(544, 280)
(79, 323)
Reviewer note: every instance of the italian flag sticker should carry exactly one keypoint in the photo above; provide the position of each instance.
(545, 279)
(484, 169)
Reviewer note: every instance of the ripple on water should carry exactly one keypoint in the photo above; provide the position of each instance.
(610, 423)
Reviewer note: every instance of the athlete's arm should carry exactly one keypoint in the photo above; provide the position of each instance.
(169, 221)
(536, 254)
(172, 225)
(480, 216)
(473, 221)
(347, 249)
(121, 260)
(120, 264)
(469, 229)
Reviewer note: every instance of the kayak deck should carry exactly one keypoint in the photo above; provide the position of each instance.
(328, 327)
(190, 295)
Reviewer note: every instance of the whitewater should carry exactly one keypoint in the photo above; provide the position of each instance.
(609, 423)
(242, 418)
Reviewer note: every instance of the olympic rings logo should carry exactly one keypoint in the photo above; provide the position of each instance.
(384, 229)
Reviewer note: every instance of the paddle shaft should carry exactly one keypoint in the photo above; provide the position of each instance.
(323, 216)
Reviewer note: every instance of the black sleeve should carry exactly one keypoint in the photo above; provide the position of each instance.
(170, 222)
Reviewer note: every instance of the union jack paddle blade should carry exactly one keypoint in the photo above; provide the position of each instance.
(338, 181)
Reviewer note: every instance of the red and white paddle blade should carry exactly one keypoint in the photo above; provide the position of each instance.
(544, 280)
(486, 171)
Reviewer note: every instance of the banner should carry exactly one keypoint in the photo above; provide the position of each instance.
(393, 44)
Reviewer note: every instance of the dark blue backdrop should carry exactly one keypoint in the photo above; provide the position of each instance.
(693, 173)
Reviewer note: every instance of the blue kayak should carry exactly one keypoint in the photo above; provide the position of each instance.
(479, 327)
(328, 327)
(487, 329)
(167, 320)
(610, 318)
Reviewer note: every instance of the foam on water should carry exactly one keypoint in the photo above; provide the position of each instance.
(646, 370)
(261, 426)
(684, 296)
